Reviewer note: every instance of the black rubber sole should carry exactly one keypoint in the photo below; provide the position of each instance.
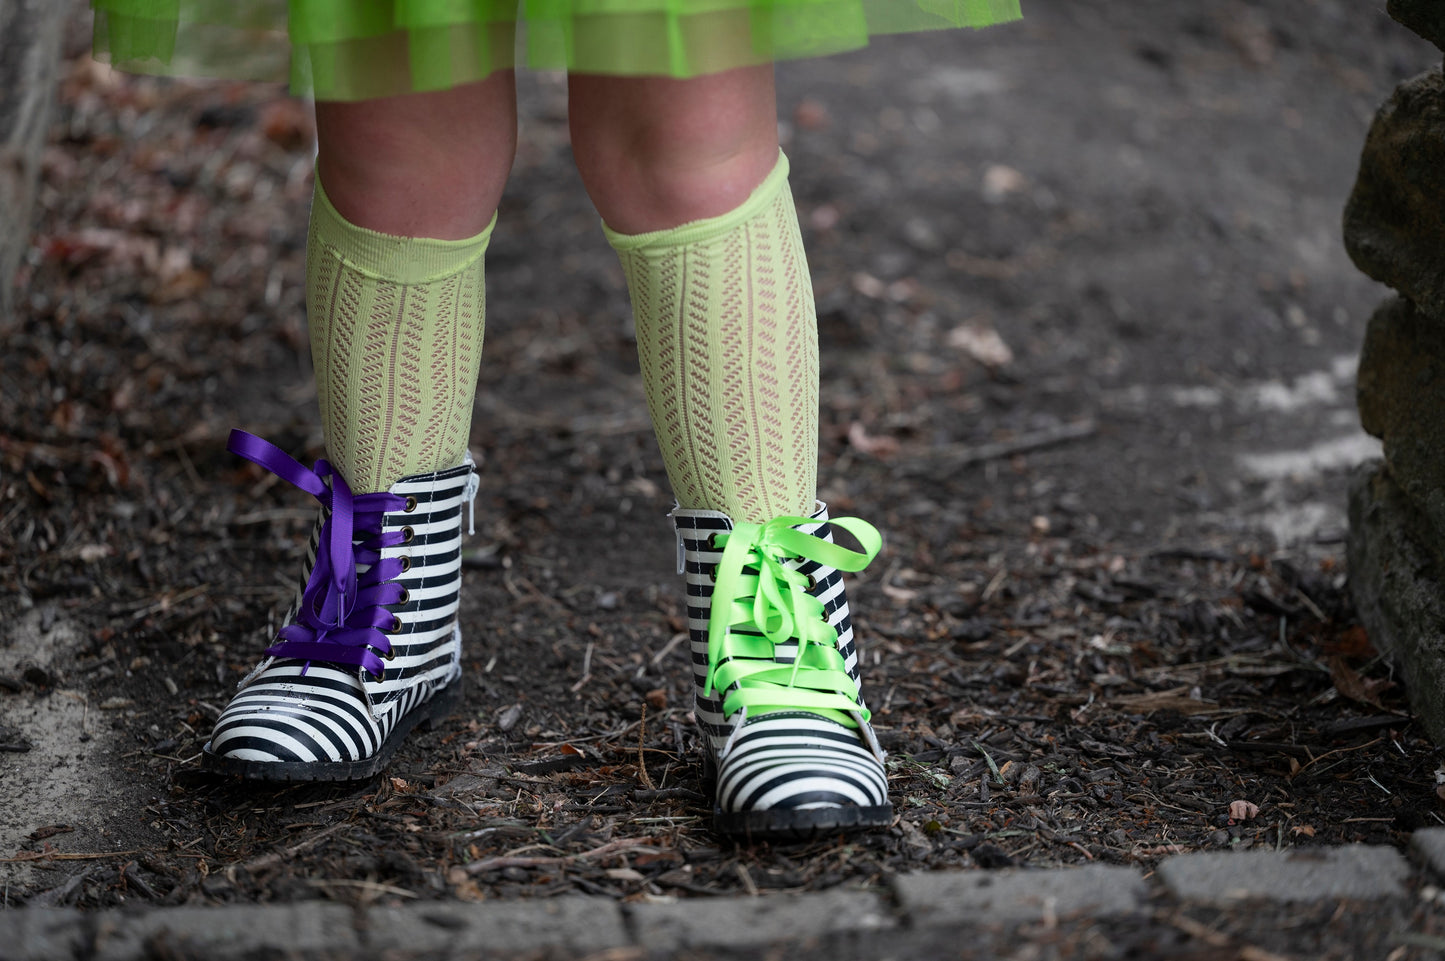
(782, 824)
(425, 715)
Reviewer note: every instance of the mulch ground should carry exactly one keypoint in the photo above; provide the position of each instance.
(1053, 686)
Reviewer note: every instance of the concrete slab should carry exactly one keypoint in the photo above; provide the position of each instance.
(308, 929)
(1354, 872)
(983, 897)
(579, 925)
(745, 922)
(42, 935)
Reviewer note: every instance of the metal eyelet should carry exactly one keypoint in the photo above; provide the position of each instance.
(712, 541)
(405, 596)
(389, 655)
(407, 535)
(812, 583)
(710, 572)
(395, 625)
(405, 563)
(410, 505)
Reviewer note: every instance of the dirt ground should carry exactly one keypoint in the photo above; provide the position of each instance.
(1089, 339)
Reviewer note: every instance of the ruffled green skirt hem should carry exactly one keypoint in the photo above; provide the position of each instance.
(357, 49)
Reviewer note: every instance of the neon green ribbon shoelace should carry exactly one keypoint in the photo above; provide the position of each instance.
(761, 607)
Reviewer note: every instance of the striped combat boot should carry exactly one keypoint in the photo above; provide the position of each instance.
(787, 738)
(371, 647)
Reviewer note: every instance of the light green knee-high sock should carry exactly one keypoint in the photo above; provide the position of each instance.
(396, 340)
(728, 339)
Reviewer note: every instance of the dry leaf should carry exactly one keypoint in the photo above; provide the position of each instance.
(1351, 685)
(999, 181)
(1180, 699)
(869, 286)
(983, 344)
(862, 441)
(1242, 810)
(90, 553)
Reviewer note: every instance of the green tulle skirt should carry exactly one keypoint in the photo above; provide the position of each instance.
(355, 49)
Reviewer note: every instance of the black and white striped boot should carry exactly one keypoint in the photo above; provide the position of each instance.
(371, 647)
(787, 736)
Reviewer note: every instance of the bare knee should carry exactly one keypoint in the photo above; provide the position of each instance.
(657, 152)
(420, 165)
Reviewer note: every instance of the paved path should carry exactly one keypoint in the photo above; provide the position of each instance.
(1354, 901)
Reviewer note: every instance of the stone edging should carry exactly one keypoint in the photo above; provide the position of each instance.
(586, 925)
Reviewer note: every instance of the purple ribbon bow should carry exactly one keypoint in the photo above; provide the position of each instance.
(343, 617)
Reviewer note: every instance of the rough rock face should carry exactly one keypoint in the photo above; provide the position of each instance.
(1395, 232)
(1425, 17)
(29, 55)
(1396, 585)
(1395, 218)
(1401, 395)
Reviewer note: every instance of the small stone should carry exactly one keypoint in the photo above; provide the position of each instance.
(509, 718)
(1395, 218)
(1425, 17)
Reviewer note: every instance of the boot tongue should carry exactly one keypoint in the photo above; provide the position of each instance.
(335, 555)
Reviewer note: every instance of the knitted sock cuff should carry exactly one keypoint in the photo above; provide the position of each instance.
(701, 231)
(385, 257)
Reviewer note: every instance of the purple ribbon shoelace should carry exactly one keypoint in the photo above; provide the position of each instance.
(343, 617)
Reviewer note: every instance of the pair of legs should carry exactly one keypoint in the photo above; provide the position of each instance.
(653, 152)
(693, 193)
(724, 307)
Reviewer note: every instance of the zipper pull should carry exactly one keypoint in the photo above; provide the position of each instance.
(474, 484)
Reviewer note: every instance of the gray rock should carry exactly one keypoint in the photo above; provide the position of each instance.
(1401, 396)
(308, 929)
(1396, 586)
(1395, 218)
(728, 923)
(577, 925)
(30, 35)
(43, 935)
(1428, 844)
(1425, 17)
(1007, 897)
(1354, 872)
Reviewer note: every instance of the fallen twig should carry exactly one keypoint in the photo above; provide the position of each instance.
(954, 456)
(512, 861)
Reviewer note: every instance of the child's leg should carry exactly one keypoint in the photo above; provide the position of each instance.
(406, 191)
(725, 320)
(405, 197)
(694, 192)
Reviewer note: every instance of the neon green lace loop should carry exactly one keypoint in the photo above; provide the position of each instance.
(769, 643)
